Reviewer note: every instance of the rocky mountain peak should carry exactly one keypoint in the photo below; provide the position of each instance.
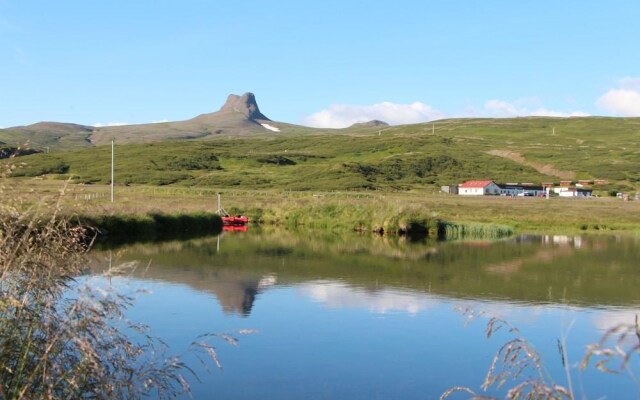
(245, 105)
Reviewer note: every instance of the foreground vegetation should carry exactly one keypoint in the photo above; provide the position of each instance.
(66, 336)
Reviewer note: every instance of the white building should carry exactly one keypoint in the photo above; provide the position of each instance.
(515, 189)
(572, 192)
(478, 188)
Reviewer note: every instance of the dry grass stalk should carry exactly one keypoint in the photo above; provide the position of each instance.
(616, 348)
(518, 363)
(62, 339)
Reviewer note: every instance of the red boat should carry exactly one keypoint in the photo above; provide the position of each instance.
(230, 220)
(239, 220)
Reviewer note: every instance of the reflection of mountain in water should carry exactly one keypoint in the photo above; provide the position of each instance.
(235, 293)
(532, 269)
(236, 290)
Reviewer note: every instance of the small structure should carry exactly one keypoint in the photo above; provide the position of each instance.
(478, 188)
(451, 189)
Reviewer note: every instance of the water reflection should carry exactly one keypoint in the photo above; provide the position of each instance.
(531, 269)
(366, 316)
(382, 301)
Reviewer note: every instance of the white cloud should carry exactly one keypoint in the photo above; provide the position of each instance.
(339, 295)
(344, 115)
(521, 108)
(621, 101)
(103, 125)
(624, 100)
(160, 121)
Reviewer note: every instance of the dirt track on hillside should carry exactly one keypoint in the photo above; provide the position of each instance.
(546, 169)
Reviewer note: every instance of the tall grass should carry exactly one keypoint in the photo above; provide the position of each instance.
(372, 217)
(60, 339)
(459, 231)
(519, 369)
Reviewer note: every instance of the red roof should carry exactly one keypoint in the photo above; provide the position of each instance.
(476, 184)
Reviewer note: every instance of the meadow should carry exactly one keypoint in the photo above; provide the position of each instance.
(345, 211)
(400, 158)
(369, 178)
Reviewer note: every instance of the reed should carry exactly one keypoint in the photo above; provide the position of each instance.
(459, 231)
(519, 369)
(371, 217)
(61, 338)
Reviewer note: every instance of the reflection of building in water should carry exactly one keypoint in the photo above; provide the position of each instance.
(562, 240)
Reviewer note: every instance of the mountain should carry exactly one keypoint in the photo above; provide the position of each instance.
(245, 105)
(45, 136)
(373, 123)
(239, 116)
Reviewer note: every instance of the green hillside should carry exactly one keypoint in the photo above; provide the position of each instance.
(393, 158)
(48, 136)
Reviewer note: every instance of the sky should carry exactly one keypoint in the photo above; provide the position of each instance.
(325, 63)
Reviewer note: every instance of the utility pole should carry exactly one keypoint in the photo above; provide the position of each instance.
(112, 160)
(433, 129)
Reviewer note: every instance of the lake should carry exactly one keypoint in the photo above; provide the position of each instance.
(363, 317)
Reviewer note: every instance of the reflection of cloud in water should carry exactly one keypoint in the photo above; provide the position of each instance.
(340, 295)
(612, 318)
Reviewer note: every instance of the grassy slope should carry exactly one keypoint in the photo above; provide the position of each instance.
(396, 158)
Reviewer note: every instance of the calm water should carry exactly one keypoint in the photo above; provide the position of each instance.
(371, 317)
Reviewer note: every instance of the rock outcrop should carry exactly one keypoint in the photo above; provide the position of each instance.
(245, 105)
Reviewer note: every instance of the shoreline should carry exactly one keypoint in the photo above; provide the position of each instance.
(371, 211)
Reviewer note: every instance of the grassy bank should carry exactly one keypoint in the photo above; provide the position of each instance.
(151, 227)
(350, 210)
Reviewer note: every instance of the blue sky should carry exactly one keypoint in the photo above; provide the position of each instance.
(328, 63)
